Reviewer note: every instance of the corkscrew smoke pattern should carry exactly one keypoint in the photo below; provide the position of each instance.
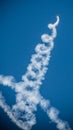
(23, 111)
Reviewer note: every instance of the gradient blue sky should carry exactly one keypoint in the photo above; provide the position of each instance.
(21, 24)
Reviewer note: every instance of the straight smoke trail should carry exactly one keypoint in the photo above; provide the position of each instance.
(27, 90)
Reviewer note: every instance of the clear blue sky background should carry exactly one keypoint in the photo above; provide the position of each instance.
(21, 24)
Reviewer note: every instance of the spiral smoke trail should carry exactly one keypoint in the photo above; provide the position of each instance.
(27, 91)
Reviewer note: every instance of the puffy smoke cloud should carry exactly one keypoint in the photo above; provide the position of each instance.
(27, 91)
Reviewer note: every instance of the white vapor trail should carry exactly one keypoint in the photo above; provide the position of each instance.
(27, 90)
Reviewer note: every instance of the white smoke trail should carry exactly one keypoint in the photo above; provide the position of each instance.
(27, 91)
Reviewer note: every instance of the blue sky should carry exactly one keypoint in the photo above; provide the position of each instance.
(21, 24)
